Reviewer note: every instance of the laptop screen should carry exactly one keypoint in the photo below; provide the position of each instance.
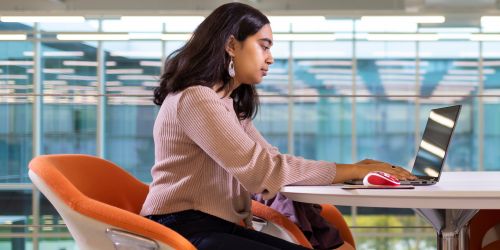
(435, 140)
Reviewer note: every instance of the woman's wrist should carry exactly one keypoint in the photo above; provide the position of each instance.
(349, 171)
(361, 170)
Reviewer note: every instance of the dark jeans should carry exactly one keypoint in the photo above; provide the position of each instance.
(206, 231)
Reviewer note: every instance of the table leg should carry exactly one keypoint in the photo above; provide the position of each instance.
(449, 223)
(464, 237)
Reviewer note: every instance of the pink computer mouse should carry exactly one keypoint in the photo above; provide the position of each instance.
(380, 178)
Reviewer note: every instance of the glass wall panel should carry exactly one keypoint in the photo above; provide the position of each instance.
(16, 83)
(398, 239)
(323, 128)
(60, 243)
(16, 67)
(272, 121)
(69, 124)
(130, 112)
(385, 120)
(452, 77)
(69, 68)
(15, 218)
(15, 138)
(15, 210)
(19, 242)
(8, 26)
(170, 47)
(322, 125)
(491, 105)
(272, 118)
(70, 103)
(277, 80)
(323, 68)
(86, 26)
(129, 134)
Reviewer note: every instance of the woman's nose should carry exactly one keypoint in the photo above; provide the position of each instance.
(270, 59)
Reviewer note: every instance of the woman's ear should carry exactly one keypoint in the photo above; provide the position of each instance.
(231, 45)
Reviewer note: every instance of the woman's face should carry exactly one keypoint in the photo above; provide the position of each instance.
(252, 56)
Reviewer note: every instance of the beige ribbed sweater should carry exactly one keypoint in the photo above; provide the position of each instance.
(207, 160)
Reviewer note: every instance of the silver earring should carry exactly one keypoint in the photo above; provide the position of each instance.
(231, 68)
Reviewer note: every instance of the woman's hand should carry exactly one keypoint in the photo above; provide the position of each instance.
(368, 161)
(368, 165)
(360, 169)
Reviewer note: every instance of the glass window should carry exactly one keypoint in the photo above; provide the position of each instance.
(15, 138)
(16, 85)
(171, 46)
(277, 80)
(452, 77)
(129, 134)
(69, 69)
(16, 67)
(86, 26)
(8, 26)
(69, 124)
(16, 243)
(272, 121)
(323, 68)
(16, 207)
(16, 218)
(69, 77)
(491, 104)
(132, 67)
(130, 112)
(56, 243)
(385, 123)
(272, 117)
(322, 125)
(323, 128)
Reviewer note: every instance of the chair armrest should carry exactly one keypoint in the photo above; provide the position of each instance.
(124, 240)
(493, 234)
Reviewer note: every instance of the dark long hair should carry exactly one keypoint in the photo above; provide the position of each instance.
(203, 60)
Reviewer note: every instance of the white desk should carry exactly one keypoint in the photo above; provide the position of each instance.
(448, 205)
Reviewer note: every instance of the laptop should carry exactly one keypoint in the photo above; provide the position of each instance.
(433, 147)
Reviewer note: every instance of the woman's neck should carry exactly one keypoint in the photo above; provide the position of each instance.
(225, 92)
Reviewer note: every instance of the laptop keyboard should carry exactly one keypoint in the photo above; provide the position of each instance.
(418, 182)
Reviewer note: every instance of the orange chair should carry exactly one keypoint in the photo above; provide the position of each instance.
(334, 217)
(287, 230)
(270, 221)
(484, 230)
(99, 203)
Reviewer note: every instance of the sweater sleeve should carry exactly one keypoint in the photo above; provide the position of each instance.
(255, 135)
(209, 124)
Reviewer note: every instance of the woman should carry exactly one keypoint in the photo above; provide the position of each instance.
(209, 157)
